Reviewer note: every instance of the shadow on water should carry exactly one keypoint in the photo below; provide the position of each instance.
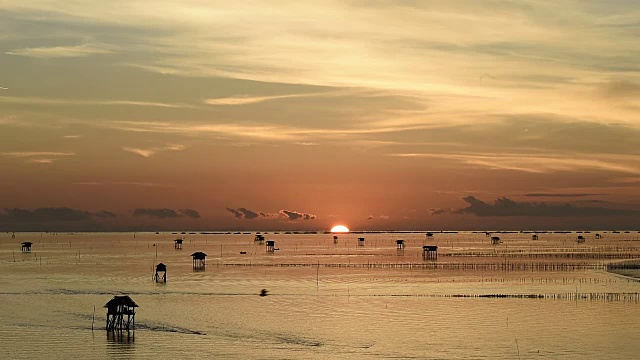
(121, 343)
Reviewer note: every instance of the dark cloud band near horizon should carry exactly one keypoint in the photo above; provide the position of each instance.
(507, 207)
(287, 215)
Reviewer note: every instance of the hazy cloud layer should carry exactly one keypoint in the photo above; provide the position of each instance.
(287, 215)
(507, 207)
(164, 213)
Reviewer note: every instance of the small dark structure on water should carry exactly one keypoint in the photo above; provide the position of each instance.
(271, 246)
(117, 309)
(264, 292)
(26, 246)
(177, 243)
(487, 234)
(495, 240)
(400, 244)
(161, 268)
(360, 241)
(199, 260)
(429, 235)
(259, 239)
(534, 237)
(580, 239)
(430, 251)
(335, 239)
(598, 236)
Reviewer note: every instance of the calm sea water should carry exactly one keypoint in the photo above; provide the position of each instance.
(522, 299)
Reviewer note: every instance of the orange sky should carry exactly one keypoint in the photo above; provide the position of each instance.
(378, 115)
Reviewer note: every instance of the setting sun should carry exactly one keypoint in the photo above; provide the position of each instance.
(339, 229)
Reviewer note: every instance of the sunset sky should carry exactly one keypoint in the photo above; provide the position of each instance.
(257, 115)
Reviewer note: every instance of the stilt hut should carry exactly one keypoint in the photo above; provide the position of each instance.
(487, 234)
(534, 237)
(360, 241)
(26, 246)
(259, 239)
(199, 260)
(429, 235)
(271, 245)
(598, 236)
(495, 240)
(335, 239)
(429, 251)
(400, 244)
(580, 239)
(117, 309)
(177, 243)
(161, 268)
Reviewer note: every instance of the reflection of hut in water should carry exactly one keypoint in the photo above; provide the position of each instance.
(26, 246)
(177, 243)
(400, 244)
(534, 237)
(495, 240)
(580, 239)
(161, 268)
(259, 239)
(117, 309)
(271, 245)
(598, 236)
(360, 241)
(430, 251)
(198, 260)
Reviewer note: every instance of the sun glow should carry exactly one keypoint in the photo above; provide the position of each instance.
(339, 229)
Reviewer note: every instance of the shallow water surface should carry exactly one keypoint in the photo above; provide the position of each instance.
(549, 298)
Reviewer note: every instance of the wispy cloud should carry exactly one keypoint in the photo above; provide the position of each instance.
(95, 102)
(541, 163)
(118, 183)
(62, 51)
(3, 88)
(148, 152)
(21, 154)
(247, 99)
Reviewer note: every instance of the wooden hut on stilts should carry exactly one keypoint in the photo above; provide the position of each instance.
(26, 246)
(161, 268)
(430, 252)
(121, 313)
(177, 243)
(271, 246)
(360, 241)
(400, 244)
(534, 237)
(199, 260)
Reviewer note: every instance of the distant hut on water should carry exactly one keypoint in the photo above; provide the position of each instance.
(199, 260)
(26, 246)
(177, 243)
(121, 313)
(161, 268)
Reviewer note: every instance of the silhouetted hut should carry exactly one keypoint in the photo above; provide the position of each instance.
(495, 240)
(335, 239)
(400, 244)
(117, 308)
(487, 234)
(429, 235)
(161, 268)
(429, 251)
(534, 237)
(271, 245)
(177, 243)
(580, 239)
(259, 239)
(360, 241)
(598, 236)
(26, 246)
(199, 260)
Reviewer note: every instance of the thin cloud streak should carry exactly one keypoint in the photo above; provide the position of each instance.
(21, 154)
(61, 51)
(69, 102)
(539, 163)
(154, 150)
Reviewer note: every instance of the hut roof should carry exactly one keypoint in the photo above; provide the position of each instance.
(178, 240)
(120, 300)
(199, 255)
(27, 243)
(161, 267)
